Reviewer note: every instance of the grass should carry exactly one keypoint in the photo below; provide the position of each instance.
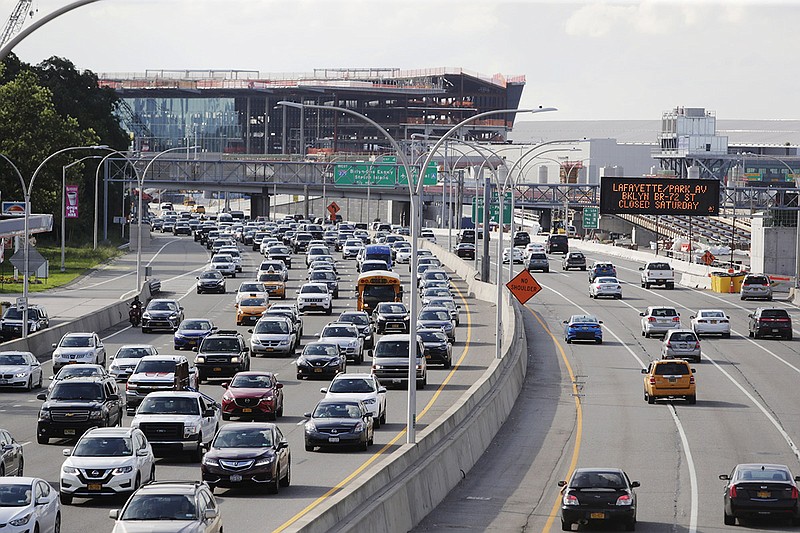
(76, 262)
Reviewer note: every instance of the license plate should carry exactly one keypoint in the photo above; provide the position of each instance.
(236, 478)
(713, 321)
(427, 357)
(69, 432)
(217, 369)
(269, 349)
(598, 516)
(775, 330)
(95, 486)
(672, 380)
(333, 439)
(397, 381)
(247, 410)
(318, 370)
(764, 494)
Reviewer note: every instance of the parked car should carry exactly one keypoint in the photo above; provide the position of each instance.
(106, 463)
(711, 322)
(769, 322)
(681, 344)
(252, 394)
(756, 287)
(598, 495)
(657, 320)
(583, 327)
(20, 370)
(759, 490)
(187, 506)
(336, 423)
(668, 379)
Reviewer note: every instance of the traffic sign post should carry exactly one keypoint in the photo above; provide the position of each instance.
(591, 217)
(494, 209)
(524, 286)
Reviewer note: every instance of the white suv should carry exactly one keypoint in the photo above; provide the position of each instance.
(77, 348)
(315, 297)
(106, 462)
(225, 264)
(233, 251)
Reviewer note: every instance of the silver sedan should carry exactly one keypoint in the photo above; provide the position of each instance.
(711, 322)
(606, 286)
(20, 370)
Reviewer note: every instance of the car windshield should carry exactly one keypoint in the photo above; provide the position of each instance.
(13, 314)
(12, 359)
(756, 280)
(312, 289)
(220, 344)
(16, 495)
(371, 266)
(598, 480)
(583, 319)
(168, 405)
(711, 314)
(77, 342)
(132, 353)
(210, 275)
(352, 385)
(103, 447)
(162, 306)
(607, 280)
(339, 331)
(395, 309)
(663, 312)
(391, 349)
(683, 336)
(320, 349)
(432, 336)
(251, 381)
(243, 438)
(325, 275)
(73, 371)
(65, 390)
(762, 474)
(774, 313)
(359, 320)
(672, 369)
(156, 367)
(278, 250)
(160, 507)
(253, 302)
(222, 259)
(434, 315)
(271, 276)
(271, 326)
(337, 410)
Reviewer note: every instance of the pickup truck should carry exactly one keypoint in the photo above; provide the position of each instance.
(658, 273)
(158, 373)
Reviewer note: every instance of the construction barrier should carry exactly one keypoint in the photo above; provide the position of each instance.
(727, 283)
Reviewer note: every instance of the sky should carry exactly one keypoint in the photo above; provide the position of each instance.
(591, 60)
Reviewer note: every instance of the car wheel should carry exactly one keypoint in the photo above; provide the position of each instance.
(598, 341)
(447, 364)
(57, 524)
(66, 499)
(29, 386)
(691, 400)
(42, 440)
(145, 330)
(309, 448)
(233, 274)
(646, 334)
(280, 410)
(726, 335)
(568, 340)
(646, 285)
(729, 520)
(226, 416)
(197, 455)
(749, 333)
(287, 479)
(789, 336)
(566, 526)
(21, 467)
(631, 525)
(275, 486)
(650, 399)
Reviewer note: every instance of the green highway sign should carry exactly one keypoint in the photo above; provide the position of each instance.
(494, 209)
(378, 175)
(591, 217)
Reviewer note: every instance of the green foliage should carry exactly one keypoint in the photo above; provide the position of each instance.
(76, 262)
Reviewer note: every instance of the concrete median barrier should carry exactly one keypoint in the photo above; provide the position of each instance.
(398, 494)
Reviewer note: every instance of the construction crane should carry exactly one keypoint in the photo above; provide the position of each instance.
(16, 20)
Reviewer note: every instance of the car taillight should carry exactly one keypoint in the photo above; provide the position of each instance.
(697, 345)
(676, 319)
(732, 491)
(669, 344)
(691, 380)
(651, 319)
(625, 499)
(570, 499)
(652, 380)
(794, 493)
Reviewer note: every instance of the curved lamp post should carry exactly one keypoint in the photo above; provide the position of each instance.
(96, 182)
(140, 180)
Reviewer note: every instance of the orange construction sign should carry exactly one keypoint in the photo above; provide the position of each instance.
(708, 258)
(333, 208)
(523, 286)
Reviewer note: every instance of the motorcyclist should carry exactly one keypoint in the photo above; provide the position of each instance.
(135, 312)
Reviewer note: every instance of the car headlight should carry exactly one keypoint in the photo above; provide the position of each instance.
(267, 398)
(173, 316)
(210, 461)
(69, 469)
(255, 340)
(310, 426)
(21, 521)
(44, 415)
(352, 344)
(122, 470)
(377, 367)
(20, 374)
(95, 415)
(234, 359)
(358, 428)
(199, 359)
(405, 318)
(146, 315)
(190, 430)
(132, 385)
(284, 342)
(368, 401)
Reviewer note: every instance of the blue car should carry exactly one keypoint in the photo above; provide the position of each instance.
(583, 328)
(191, 332)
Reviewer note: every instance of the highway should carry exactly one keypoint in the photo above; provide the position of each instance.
(315, 475)
(582, 405)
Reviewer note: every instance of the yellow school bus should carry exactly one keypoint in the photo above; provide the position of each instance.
(378, 286)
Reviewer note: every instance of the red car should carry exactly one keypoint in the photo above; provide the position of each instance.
(253, 395)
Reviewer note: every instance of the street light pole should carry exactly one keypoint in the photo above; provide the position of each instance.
(96, 194)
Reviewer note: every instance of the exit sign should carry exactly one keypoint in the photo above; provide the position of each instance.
(591, 217)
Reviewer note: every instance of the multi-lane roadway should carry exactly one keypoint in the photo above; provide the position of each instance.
(315, 475)
(582, 405)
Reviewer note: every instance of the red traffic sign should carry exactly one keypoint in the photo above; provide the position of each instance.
(333, 208)
(523, 286)
(708, 258)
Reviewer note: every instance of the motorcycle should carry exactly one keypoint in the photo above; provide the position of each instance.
(135, 315)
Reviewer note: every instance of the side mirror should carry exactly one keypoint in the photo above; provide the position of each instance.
(642, 314)
(323, 391)
(194, 348)
(282, 444)
(692, 317)
(142, 452)
(565, 322)
(181, 308)
(208, 413)
(249, 331)
(381, 390)
(368, 415)
(599, 321)
(210, 514)
(750, 315)
(54, 344)
(694, 371)
(641, 268)
(562, 483)
(66, 452)
(113, 514)
(279, 385)
(644, 371)
(635, 484)
(726, 477)
(224, 385)
(41, 396)
(307, 415)
(113, 397)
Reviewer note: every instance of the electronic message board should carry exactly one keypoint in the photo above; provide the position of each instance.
(659, 196)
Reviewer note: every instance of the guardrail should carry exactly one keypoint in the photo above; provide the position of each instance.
(397, 494)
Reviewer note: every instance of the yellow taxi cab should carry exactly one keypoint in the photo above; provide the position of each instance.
(669, 379)
(249, 310)
(274, 283)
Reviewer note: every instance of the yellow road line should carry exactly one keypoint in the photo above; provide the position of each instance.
(391, 443)
(579, 420)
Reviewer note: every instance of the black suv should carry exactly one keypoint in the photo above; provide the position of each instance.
(11, 324)
(221, 354)
(770, 322)
(467, 235)
(300, 242)
(77, 404)
(574, 260)
(390, 317)
(557, 243)
(521, 238)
